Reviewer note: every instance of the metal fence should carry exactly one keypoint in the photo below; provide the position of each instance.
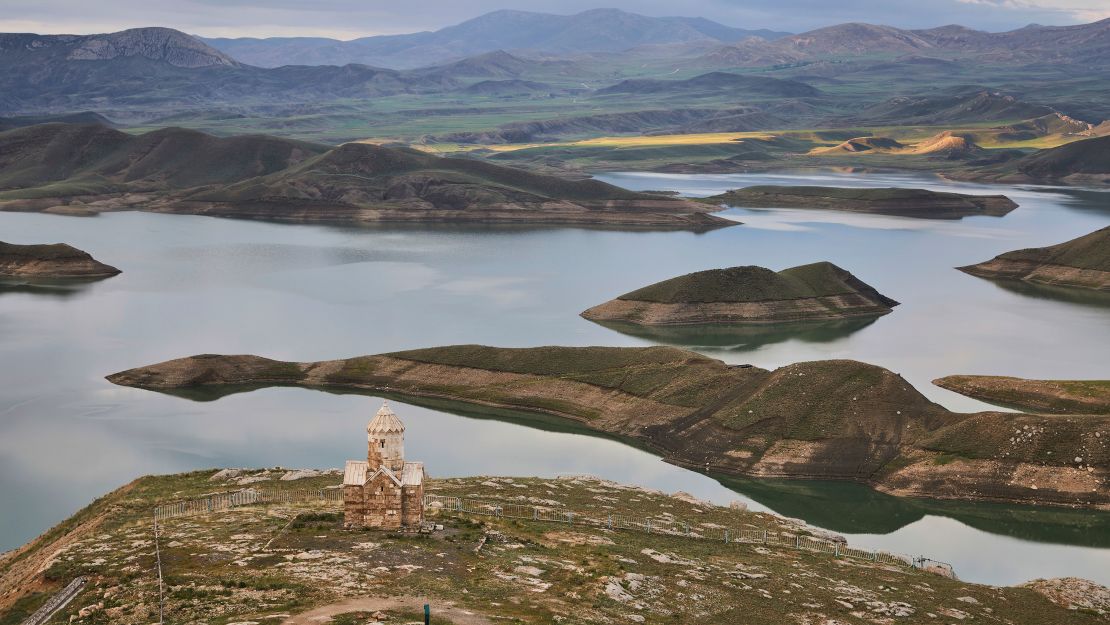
(245, 497)
(614, 521)
(674, 527)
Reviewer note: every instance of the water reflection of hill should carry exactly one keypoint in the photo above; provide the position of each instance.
(60, 288)
(1070, 295)
(742, 337)
(856, 509)
(1084, 200)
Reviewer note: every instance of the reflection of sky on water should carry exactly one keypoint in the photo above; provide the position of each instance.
(982, 556)
(195, 285)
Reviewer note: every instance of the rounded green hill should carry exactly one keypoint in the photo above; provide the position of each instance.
(750, 294)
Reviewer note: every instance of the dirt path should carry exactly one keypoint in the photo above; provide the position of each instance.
(441, 610)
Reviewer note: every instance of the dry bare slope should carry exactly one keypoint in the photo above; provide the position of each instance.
(57, 260)
(836, 419)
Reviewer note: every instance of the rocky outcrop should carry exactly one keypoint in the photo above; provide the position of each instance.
(50, 261)
(836, 419)
(820, 291)
(921, 203)
(1074, 593)
(1083, 262)
(947, 144)
(159, 44)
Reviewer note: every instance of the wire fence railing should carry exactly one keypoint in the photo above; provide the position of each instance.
(246, 497)
(614, 521)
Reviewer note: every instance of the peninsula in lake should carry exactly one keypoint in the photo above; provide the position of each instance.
(1083, 263)
(90, 168)
(1046, 396)
(832, 419)
(815, 292)
(56, 260)
(921, 203)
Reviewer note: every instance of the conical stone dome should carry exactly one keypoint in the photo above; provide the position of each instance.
(385, 422)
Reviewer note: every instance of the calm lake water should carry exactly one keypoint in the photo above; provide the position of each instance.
(196, 284)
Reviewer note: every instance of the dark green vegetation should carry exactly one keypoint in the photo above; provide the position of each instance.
(56, 260)
(89, 159)
(1083, 262)
(827, 419)
(1046, 396)
(90, 168)
(723, 83)
(1081, 162)
(254, 563)
(921, 203)
(818, 291)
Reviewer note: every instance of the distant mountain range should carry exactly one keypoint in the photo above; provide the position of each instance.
(147, 73)
(1083, 43)
(160, 67)
(599, 30)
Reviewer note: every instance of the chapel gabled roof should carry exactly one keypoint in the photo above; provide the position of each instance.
(354, 474)
(385, 422)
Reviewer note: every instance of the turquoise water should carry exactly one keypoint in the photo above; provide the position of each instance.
(196, 284)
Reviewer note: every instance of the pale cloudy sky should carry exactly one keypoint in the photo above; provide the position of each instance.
(347, 19)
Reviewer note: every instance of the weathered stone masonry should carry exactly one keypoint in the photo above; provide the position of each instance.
(384, 491)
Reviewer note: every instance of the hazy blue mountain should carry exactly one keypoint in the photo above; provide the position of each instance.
(162, 67)
(1082, 43)
(598, 30)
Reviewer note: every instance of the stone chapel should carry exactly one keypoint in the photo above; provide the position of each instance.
(384, 491)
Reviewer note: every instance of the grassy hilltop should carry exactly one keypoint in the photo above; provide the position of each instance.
(294, 563)
(1083, 262)
(818, 291)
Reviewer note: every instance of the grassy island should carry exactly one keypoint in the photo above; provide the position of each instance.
(921, 203)
(815, 292)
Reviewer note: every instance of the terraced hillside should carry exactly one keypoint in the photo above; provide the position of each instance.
(1083, 262)
(836, 419)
